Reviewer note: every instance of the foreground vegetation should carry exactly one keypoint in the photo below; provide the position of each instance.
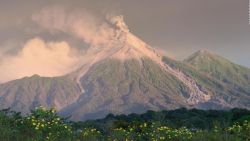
(176, 125)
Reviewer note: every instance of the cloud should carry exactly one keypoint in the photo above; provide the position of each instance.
(9, 47)
(58, 58)
(38, 57)
(81, 24)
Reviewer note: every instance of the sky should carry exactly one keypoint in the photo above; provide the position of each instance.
(47, 37)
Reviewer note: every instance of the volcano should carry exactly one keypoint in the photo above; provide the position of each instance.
(126, 75)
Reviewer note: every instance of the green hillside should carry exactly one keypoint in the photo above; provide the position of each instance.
(29, 92)
(221, 69)
(225, 95)
(113, 86)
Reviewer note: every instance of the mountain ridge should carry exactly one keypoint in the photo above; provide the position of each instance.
(97, 77)
(220, 68)
(127, 75)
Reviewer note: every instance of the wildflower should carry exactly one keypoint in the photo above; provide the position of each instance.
(53, 110)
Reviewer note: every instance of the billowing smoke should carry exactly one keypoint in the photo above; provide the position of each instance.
(82, 25)
(118, 22)
(56, 58)
(38, 57)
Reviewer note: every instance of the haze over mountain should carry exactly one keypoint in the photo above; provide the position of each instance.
(121, 74)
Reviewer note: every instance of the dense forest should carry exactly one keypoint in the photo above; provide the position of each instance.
(176, 125)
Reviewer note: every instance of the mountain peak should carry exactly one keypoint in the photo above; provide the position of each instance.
(203, 55)
(122, 44)
(35, 75)
(204, 51)
(219, 68)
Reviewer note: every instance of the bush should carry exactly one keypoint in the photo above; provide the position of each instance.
(45, 125)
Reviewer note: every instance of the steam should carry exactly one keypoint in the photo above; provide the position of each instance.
(38, 57)
(118, 22)
(56, 58)
(82, 25)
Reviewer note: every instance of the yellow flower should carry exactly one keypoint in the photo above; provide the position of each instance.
(53, 110)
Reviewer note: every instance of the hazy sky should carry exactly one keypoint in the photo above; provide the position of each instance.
(180, 27)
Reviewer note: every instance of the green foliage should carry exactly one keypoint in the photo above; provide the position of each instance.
(9, 124)
(47, 125)
(241, 131)
(89, 134)
(177, 125)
